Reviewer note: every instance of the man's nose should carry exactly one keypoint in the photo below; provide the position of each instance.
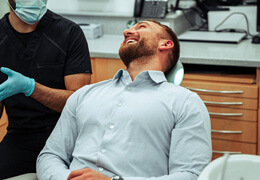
(129, 31)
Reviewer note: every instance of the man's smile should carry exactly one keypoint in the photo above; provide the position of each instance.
(131, 40)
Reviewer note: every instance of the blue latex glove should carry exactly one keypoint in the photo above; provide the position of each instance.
(16, 83)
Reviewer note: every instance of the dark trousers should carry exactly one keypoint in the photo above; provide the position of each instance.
(19, 150)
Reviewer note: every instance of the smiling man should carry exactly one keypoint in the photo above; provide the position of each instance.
(136, 126)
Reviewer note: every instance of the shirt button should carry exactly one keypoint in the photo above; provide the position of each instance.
(119, 104)
(100, 169)
(103, 151)
(111, 126)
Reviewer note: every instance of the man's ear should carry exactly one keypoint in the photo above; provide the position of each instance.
(165, 45)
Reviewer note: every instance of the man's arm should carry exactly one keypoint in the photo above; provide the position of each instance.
(55, 99)
(54, 160)
(190, 149)
(77, 58)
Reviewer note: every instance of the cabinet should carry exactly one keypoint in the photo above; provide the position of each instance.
(3, 125)
(232, 102)
(104, 69)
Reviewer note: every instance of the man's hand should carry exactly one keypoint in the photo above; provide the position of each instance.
(16, 83)
(87, 174)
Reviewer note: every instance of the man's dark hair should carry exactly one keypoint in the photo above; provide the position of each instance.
(12, 3)
(175, 50)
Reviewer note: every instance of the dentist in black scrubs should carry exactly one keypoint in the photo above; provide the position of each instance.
(44, 58)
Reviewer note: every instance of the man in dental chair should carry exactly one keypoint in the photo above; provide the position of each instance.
(136, 126)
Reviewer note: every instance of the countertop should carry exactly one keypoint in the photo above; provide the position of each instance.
(243, 54)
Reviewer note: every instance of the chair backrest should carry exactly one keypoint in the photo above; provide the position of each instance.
(233, 167)
(175, 76)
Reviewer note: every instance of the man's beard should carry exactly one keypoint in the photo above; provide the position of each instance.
(131, 52)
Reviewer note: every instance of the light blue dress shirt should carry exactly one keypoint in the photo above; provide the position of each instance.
(142, 129)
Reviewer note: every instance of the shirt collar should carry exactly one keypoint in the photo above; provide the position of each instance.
(118, 74)
(155, 76)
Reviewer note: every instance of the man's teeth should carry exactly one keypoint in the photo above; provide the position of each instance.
(130, 41)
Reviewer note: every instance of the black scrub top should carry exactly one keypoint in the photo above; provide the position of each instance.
(55, 49)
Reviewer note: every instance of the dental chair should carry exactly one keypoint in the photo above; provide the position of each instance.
(233, 167)
(176, 74)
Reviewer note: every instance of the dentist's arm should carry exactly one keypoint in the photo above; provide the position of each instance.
(55, 99)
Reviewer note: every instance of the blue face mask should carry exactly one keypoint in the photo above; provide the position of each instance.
(30, 11)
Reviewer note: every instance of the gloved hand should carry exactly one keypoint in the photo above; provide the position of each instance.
(16, 83)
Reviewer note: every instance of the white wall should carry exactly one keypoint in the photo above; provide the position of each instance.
(125, 6)
(3, 8)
